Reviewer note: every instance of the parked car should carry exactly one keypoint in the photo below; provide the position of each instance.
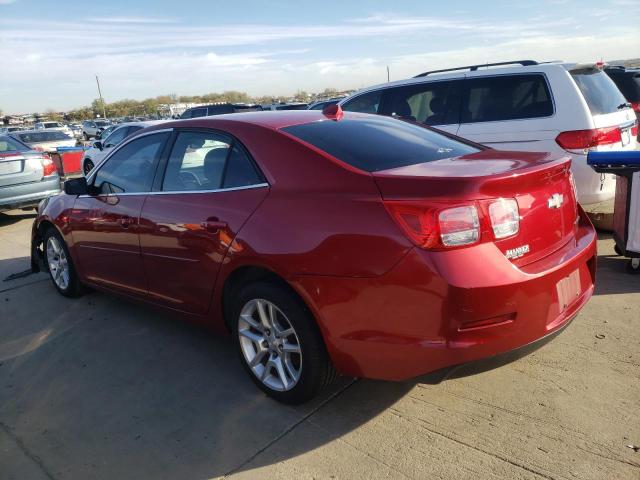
(26, 176)
(52, 126)
(552, 107)
(287, 106)
(218, 109)
(101, 148)
(319, 105)
(10, 129)
(104, 133)
(628, 81)
(76, 130)
(45, 140)
(360, 243)
(90, 128)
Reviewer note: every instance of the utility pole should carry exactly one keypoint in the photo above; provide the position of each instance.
(387, 73)
(104, 111)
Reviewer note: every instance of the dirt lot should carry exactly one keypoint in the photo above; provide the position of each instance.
(107, 389)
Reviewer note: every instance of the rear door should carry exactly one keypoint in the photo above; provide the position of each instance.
(106, 224)
(432, 103)
(210, 188)
(507, 112)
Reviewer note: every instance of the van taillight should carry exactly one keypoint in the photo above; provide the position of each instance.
(48, 167)
(581, 140)
(432, 226)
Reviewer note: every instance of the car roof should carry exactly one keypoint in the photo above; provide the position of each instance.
(269, 118)
(461, 74)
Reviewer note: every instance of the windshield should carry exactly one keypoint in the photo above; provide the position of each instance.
(8, 144)
(599, 91)
(38, 137)
(102, 123)
(373, 143)
(52, 125)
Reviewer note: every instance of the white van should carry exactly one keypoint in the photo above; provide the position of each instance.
(522, 105)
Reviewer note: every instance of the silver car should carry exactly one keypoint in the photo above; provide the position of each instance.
(26, 176)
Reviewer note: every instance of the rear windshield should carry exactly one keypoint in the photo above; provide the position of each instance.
(375, 143)
(8, 144)
(599, 91)
(52, 125)
(50, 136)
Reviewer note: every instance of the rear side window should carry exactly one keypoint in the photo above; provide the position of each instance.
(220, 109)
(198, 112)
(508, 97)
(433, 103)
(366, 103)
(379, 143)
(599, 91)
(8, 144)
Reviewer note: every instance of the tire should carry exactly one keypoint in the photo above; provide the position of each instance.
(86, 137)
(56, 256)
(631, 269)
(87, 166)
(617, 250)
(305, 372)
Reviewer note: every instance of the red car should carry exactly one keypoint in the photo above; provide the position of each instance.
(329, 242)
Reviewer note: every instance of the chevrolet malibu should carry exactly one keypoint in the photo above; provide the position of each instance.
(329, 243)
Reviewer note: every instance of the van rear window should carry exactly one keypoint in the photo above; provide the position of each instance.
(372, 143)
(599, 91)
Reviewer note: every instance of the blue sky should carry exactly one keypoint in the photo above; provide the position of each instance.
(51, 50)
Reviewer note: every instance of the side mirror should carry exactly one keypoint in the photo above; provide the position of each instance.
(98, 145)
(76, 186)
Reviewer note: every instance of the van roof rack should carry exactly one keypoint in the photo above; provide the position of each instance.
(473, 68)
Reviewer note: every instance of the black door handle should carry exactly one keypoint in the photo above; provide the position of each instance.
(213, 225)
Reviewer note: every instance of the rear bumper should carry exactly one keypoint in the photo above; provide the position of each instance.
(436, 310)
(28, 194)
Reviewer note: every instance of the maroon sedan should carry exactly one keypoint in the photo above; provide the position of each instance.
(326, 243)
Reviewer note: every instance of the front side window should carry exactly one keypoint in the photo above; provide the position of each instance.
(116, 137)
(207, 161)
(508, 97)
(131, 169)
(434, 103)
(366, 103)
(198, 112)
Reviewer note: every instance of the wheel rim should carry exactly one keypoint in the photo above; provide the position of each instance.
(58, 264)
(88, 166)
(270, 345)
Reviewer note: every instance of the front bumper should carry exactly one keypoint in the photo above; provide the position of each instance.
(436, 310)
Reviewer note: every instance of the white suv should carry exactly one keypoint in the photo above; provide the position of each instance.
(523, 105)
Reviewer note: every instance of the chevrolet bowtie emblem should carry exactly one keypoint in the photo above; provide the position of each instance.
(555, 201)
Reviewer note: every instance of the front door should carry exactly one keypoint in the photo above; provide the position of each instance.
(210, 188)
(106, 223)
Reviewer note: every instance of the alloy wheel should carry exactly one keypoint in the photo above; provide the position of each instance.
(58, 264)
(270, 345)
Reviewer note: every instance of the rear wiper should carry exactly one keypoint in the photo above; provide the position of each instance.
(623, 105)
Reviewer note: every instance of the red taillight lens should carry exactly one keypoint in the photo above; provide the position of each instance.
(636, 107)
(505, 217)
(634, 130)
(436, 226)
(585, 139)
(48, 167)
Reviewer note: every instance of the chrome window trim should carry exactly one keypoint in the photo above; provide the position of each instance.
(178, 192)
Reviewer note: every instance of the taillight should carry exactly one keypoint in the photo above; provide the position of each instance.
(634, 130)
(48, 167)
(459, 226)
(436, 226)
(505, 217)
(636, 107)
(581, 140)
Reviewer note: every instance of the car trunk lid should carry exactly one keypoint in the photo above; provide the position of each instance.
(540, 183)
(17, 168)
